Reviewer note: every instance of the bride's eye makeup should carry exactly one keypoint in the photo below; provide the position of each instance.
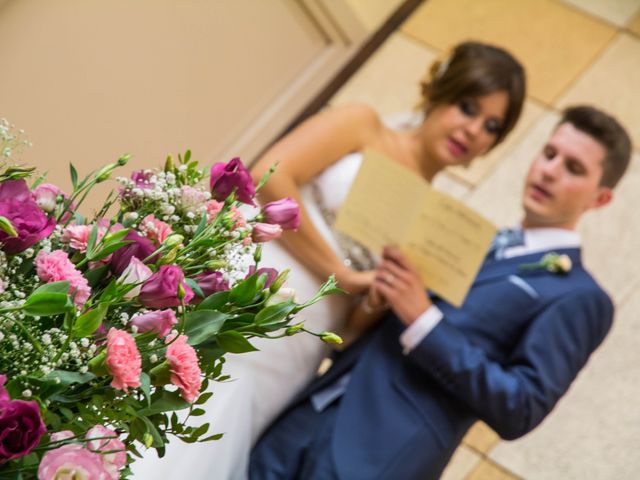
(471, 109)
(468, 107)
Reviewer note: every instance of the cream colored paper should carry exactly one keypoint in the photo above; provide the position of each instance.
(444, 239)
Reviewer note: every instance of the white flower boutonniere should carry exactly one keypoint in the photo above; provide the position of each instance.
(551, 262)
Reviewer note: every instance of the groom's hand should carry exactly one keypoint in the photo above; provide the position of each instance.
(401, 286)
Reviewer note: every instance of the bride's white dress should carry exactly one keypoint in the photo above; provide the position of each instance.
(262, 383)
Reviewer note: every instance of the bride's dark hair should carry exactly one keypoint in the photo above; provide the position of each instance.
(474, 69)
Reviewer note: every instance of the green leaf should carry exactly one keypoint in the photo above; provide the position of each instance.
(74, 175)
(64, 377)
(194, 286)
(197, 412)
(95, 276)
(215, 301)
(244, 292)
(145, 386)
(217, 436)
(274, 313)
(168, 402)
(47, 300)
(153, 431)
(234, 342)
(203, 398)
(88, 322)
(201, 226)
(91, 241)
(202, 325)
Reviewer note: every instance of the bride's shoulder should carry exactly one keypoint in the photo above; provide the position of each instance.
(358, 115)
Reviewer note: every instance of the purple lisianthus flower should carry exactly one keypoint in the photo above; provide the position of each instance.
(285, 213)
(227, 177)
(272, 274)
(159, 321)
(141, 248)
(16, 189)
(161, 290)
(29, 221)
(46, 196)
(21, 427)
(265, 232)
(211, 282)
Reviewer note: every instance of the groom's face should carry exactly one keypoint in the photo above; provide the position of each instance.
(564, 180)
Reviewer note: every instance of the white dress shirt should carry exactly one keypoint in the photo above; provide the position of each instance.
(535, 240)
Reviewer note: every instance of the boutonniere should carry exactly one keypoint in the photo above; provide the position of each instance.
(551, 262)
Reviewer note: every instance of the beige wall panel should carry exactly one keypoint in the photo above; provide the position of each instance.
(90, 80)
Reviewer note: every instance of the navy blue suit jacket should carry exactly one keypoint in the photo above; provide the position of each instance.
(505, 357)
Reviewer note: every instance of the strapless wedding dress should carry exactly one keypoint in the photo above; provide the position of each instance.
(263, 383)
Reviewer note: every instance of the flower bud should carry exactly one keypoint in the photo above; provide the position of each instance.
(122, 161)
(293, 329)
(330, 337)
(173, 240)
(279, 281)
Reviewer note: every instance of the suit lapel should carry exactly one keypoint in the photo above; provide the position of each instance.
(495, 269)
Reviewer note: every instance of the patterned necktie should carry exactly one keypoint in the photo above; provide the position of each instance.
(505, 239)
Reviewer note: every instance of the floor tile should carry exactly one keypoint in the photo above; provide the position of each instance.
(481, 438)
(461, 464)
(389, 81)
(554, 41)
(612, 83)
(487, 470)
(617, 12)
(481, 167)
(634, 25)
(593, 433)
(373, 13)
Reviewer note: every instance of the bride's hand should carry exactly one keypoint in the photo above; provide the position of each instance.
(355, 282)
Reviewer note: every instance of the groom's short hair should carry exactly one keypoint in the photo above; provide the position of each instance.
(607, 131)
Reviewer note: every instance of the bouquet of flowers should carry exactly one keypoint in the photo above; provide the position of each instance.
(111, 324)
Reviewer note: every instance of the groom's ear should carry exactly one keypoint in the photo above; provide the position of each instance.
(603, 197)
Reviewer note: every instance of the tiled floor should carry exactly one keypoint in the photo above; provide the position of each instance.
(575, 51)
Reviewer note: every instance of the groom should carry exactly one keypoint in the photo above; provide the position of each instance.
(397, 403)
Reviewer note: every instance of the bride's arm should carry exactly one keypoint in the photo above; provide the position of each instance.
(301, 155)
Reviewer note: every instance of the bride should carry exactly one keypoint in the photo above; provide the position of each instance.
(471, 101)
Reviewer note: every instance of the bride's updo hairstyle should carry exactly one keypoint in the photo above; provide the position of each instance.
(475, 69)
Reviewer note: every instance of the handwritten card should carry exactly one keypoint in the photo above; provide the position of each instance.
(444, 239)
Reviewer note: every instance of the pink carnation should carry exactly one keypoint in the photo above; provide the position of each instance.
(213, 208)
(116, 459)
(185, 371)
(72, 461)
(157, 231)
(123, 360)
(238, 218)
(56, 267)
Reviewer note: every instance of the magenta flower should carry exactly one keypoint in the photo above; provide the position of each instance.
(185, 371)
(123, 360)
(29, 221)
(4, 395)
(159, 321)
(16, 189)
(135, 273)
(161, 290)
(72, 461)
(141, 247)
(285, 213)
(272, 274)
(142, 179)
(56, 267)
(227, 177)
(21, 427)
(265, 232)
(211, 282)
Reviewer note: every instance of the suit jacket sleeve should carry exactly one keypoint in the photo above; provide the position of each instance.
(514, 396)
